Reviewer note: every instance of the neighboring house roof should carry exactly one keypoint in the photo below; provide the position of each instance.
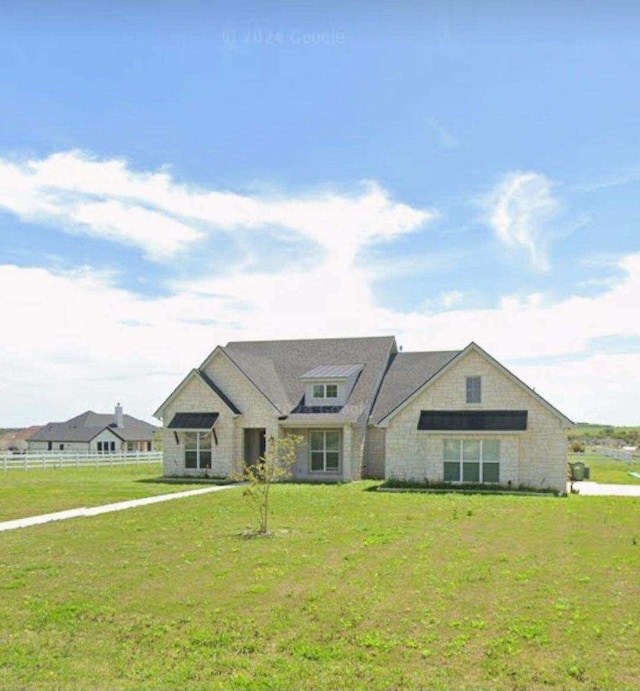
(19, 435)
(406, 374)
(87, 425)
(276, 368)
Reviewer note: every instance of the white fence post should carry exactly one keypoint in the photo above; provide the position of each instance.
(57, 459)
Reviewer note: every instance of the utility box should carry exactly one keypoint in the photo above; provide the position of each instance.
(577, 471)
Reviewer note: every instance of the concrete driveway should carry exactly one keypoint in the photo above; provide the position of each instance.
(595, 489)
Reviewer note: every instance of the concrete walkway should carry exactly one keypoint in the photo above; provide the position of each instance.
(593, 489)
(105, 508)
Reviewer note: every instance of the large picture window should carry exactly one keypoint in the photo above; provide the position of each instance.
(472, 460)
(324, 447)
(197, 450)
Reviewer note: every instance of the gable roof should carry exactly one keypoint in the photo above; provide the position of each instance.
(276, 369)
(456, 358)
(406, 374)
(202, 376)
(87, 425)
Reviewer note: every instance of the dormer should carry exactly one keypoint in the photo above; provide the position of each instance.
(329, 385)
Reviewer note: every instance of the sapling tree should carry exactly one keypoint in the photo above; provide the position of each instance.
(275, 465)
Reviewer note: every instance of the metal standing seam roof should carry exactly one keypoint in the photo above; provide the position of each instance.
(193, 421)
(332, 372)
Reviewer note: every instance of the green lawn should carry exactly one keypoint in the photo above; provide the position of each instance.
(31, 492)
(607, 470)
(356, 589)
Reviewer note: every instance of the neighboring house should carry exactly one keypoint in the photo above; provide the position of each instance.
(364, 409)
(17, 441)
(95, 433)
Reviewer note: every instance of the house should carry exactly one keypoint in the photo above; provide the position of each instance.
(17, 441)
(364, 409)
(95, 433)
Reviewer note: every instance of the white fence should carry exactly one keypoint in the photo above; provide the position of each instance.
(70, 459)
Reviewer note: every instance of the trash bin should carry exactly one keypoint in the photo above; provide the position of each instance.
(587, 472)
(577, 471)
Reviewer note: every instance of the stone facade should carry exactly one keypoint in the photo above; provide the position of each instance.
(535, 457)
(374, 453)
(228, 444)
(392, 448)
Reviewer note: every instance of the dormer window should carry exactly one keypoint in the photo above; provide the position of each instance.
(325, 391)
(329, 385)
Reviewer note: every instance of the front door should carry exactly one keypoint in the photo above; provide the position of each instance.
(255, 444)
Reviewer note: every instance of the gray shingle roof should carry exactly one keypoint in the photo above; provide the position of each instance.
(84, 427)
(221, 395)
(276, 368)
(406, 374)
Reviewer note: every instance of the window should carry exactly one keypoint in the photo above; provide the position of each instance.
(197, 450)
(474, 389)
(471, 460)
(325, 391)
(106, 446)
(324, 448)
(332, 391)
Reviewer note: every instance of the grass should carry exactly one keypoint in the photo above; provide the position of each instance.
(356, 589)
(607, 470)
(33, 492)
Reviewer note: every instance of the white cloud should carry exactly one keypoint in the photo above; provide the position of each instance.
(72, 341)
(75, 340)
(77, 193)
(519, 210)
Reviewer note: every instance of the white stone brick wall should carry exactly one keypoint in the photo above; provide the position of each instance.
(257, 411)
(196, 396)
(374, 453)
(79, 446)
(536, 457)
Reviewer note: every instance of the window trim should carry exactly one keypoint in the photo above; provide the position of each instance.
(470, 390)
(321, 391)
(324, 451)
(481, 461)
(198, 465)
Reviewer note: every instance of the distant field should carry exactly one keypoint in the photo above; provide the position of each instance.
(357, 589)
(607, 470)
(31, 492)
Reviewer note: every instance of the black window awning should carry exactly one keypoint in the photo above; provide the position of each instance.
(193, 421)
(473, 420)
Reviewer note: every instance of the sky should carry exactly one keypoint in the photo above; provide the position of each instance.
(176, 175)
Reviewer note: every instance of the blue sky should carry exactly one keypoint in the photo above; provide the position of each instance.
(175, 175)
